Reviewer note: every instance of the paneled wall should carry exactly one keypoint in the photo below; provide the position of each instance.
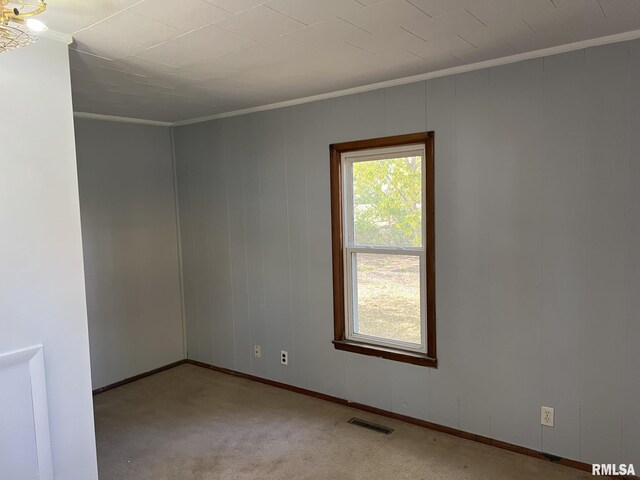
(537, 234)
(130, 238)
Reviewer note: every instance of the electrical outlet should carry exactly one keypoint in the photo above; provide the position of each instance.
(257, 351)
(546, 416)
(284, 357)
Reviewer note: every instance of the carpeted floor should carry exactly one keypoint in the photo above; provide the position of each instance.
(192, 423)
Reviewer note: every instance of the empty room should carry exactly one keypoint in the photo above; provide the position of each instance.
(319, 239)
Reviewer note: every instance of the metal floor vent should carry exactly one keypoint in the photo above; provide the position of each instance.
(371, 426)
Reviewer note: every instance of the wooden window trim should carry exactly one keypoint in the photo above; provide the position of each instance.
(340, 341)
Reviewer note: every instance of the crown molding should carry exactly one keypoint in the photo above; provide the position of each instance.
(112, 118)
(56, 36)
(569, 47)
(620, 37)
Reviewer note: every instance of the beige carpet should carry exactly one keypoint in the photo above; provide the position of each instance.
(192, 423)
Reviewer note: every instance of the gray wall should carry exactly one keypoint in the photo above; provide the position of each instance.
(130, 243)
(538, 266)
(42, 295)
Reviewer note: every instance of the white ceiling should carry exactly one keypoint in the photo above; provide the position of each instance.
(174, 60)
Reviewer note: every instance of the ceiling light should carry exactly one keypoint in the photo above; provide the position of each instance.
(17, 23)
(36, 25)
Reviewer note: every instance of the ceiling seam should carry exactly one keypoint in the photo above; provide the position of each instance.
(107, 18)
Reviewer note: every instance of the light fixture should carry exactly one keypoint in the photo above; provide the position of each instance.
(17, 23)
(36, 25)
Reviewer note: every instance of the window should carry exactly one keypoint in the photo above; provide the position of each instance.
(382, 212)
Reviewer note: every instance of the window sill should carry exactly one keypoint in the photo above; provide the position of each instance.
(395, 354)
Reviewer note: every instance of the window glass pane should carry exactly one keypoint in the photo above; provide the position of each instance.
(387, 294)
(387, 202)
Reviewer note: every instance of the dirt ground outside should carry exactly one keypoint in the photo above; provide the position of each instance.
(389, 296)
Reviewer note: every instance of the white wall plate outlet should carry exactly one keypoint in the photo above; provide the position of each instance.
(257, 351)
(546, 416)
(284, 357)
